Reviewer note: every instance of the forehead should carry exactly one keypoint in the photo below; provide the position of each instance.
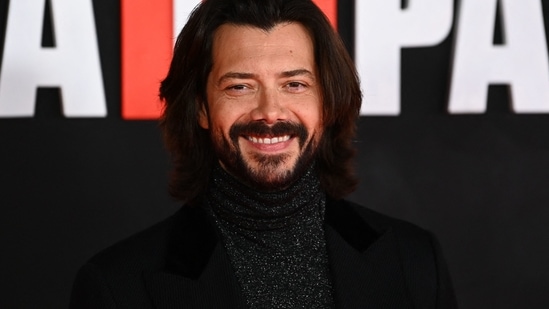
(286, 45)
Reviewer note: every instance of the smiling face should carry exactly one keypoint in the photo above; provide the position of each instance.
(264, 103)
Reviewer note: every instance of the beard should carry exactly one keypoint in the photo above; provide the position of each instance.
(267, 173)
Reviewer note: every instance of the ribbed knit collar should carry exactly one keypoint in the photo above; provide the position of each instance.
(249, 209)
(275, 240)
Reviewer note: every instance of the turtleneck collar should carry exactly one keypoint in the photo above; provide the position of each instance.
(275, 240)
(249, 209)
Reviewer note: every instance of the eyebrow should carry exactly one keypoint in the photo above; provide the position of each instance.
(297, 72)
(235, 75)
(243, 75)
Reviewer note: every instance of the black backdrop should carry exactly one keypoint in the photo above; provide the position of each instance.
(70, 187)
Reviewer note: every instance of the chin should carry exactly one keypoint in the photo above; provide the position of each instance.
(271, 178)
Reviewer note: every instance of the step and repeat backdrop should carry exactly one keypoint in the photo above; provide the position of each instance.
(453, 134)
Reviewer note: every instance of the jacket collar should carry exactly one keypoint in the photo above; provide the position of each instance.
(197, 273)
(364, 263)
(364, 260)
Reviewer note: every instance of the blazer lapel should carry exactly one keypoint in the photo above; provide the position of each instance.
(198, 273)
(364, 262)
(215, 288)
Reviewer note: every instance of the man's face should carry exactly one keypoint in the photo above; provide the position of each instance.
(264, 103)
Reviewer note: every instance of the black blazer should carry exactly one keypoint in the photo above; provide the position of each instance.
(375, 262)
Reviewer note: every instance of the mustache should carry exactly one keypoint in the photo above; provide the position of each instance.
(260, 128)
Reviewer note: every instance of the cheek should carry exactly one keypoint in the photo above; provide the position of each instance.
(221, 123)
(311, 118)
(316, 127)
(309, 111)
(224, 118)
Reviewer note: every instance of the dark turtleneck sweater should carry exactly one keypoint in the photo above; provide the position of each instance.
(275, 240)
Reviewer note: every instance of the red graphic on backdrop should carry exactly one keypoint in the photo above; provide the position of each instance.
(147, 40)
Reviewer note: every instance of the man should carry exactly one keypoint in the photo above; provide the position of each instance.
(260, 104)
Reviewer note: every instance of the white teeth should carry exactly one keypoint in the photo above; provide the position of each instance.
(273, 140)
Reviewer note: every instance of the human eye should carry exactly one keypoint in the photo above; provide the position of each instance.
(237, 89)
(295, 86)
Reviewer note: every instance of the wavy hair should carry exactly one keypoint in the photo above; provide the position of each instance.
(183, 91)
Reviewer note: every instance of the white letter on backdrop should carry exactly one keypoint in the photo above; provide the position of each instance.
(382, 29)
(181, 11)
(521, 62)
(73, 65)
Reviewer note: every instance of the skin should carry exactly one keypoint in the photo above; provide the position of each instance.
(262, 79)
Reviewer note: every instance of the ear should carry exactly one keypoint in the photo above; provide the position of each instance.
(203, 120)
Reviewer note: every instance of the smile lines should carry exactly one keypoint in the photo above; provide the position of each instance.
(267, 140)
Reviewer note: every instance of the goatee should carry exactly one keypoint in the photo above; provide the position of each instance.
(266, 175)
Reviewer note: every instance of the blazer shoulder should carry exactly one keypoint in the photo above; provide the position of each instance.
(114, 276)
(423, 262)
(142, 250)
(347, 211)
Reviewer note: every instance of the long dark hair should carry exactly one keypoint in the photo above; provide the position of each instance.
(183, 91)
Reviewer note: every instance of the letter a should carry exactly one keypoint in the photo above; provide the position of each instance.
(520, 62)
(73, 65)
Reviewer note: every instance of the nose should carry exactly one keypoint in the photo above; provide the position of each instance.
(269, 107)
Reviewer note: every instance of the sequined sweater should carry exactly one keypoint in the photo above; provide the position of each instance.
(274, 240)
